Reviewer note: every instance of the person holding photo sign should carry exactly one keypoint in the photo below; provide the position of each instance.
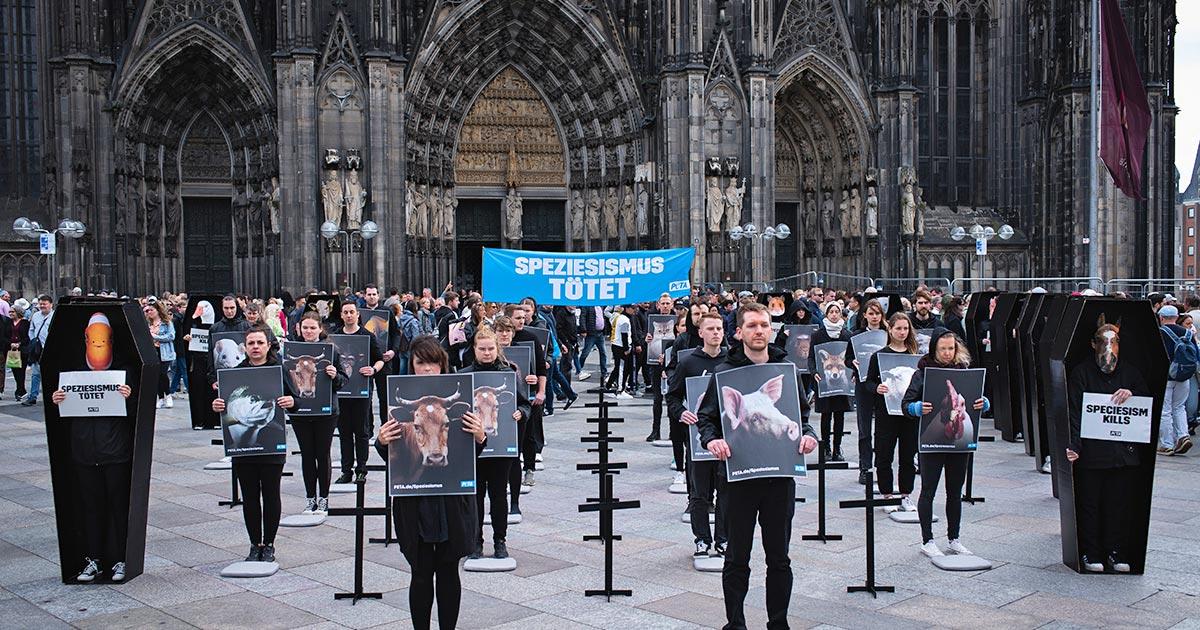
(946, 350)
(891, 430)
(355, 422)
(434, 532)
(832, 408)
(259, 475)
(1103, 470)
(314, 434)
(770, 501)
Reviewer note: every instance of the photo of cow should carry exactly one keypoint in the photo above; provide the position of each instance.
(327, 305)
(831, 366)
(896, 371)
(953, 425)
(522, 355)
(304, 368)
(865, 344)
(252, 423)
(433, 455)
(695, 386)
(355, 352)
(228, 349)
(495, 400)
(799, 344)
(662, 328)
(760, 419)
(376, 322)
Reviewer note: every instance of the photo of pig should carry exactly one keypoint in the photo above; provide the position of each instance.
(495, 401)
(831, 366)
(252, 423)
(896, 371)
(662, 328)
(228, 349)
(354, 351)
(953, 425)
(433, 456)
(695, 386)
(760, 419)
(799, 344)
(304, 368)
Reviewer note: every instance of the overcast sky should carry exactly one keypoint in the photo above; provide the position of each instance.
(1187, 89)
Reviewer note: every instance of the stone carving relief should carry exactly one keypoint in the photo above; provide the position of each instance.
(872, 212)
(595, 206)
(342, 93)
(333, 197)
(811, 23)
(414, 222)
(241, 211)
(809, 212)
(908, 202)
(174, 213)
(628, 212)
(855, 213)
(165, 15)
(273, 204)
(844, 214)
(255, 219)
(714, 201)
(611, 211)
(828, 215)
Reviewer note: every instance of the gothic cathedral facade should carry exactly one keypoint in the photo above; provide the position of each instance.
(206, 142)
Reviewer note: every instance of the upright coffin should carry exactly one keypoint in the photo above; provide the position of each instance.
(134, 351)
(977, 323)
(1052, 397)
(1006, 381)
(200, 395)
(1142, 349)
(1037, 438)
(1024, 367)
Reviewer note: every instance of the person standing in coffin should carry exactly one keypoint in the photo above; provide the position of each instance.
(1103, 470)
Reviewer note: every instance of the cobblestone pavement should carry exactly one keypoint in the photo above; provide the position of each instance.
(190, 538)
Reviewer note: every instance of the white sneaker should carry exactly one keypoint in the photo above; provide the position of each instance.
(624, 396)
(930, 549)
(888, 509)
(159, 404)
(118, 572)
(537, 457)
(583, 376)
(907, 505)
(958, 548)
(679, 479)
(170, 402)
(322, 508)
(311, 507)
(90, 570)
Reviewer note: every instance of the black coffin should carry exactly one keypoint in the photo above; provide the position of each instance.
(133, 351)
(1003, 364)
(1141, 348)
(1024, 368)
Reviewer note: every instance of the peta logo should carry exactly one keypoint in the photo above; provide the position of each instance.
(680, 285)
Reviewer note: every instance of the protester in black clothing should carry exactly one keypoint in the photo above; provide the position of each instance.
(871, 318)
(390, 360)
(566, 328)
(232, 320)
(492, 473)
(1103, 471)
(952, 315)
(355, 423)
(654, 373)
(638, 318)
(259, 475)
(446, 313)
(314, 434)
(832, 408)
(890, 429)
(433, 533)
(922, 315)
(535, 438)
(690, 337)
(505, 329)
(705, 480)
(946, 350)
(769, 501)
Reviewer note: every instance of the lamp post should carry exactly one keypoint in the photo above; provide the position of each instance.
(69, 228)
(330, 231)
(982, 235)
(749, 232)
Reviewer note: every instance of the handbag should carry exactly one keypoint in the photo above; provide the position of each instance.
(14, 359)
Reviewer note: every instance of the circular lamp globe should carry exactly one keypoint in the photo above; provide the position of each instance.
(958, 233)
(23, 227)
(782, 231)
(989, 233)
(769, 232)
(329, 230)
(1006, 231)
(750, 229)
(735, 233)
(976, 231)
(369, 230)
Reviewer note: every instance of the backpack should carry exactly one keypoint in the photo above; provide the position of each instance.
(1184, 357)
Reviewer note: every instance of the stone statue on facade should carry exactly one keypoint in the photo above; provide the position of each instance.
(241, 209)
(333, 197)
(356, 200)
(154, 216)
(576, 212)
(827, 215)
(643, 208)
(734, 193)
(121, 200)
(714, 201)
(809, 213)
(449, 212)
(628, 212)
(612, 209)
(855, 213)
(256, 219)
(434, 200)
(421, 206)
(844, 214)
(594, 209)
(908, 210)
(273, 207)
(922, 208)
(512, 215)
(136, 217)
(872, 212)
(174, 219)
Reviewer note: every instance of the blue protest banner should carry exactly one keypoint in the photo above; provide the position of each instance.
(585, 279)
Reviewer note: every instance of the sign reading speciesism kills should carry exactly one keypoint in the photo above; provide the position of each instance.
(1102, 419)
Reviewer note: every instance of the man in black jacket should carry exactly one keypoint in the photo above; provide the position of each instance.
(371, 297)
(770, 501)
(535, 437)
(922, 315)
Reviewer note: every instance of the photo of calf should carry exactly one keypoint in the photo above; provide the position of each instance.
(799, 344)
(831, 366)
(252, 423)
(355, 351)
(228, 349)
(760, 419)
(433, 455)
(495, 399)
(304, 368)
(953, 425)
(896, 371)
(695, 386)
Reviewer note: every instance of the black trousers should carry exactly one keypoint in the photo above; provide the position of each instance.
(890, 430)
(838, 420)
(164, 381)
(621, 377)
(492, 476)
(434, 572)
(534, 438)
(261, 506)
(514, 473)
(1102, 509)
(864, 402)
(771, 502)
(707, 490)
(932, 464)
(679, 441)
(654, 380)
(104, 497)
(354, 432)
(19, 378)
(315, 435)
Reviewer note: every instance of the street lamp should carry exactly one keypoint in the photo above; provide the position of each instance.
(70, 228)
(750, 232)
(982, 234)
(330, 232)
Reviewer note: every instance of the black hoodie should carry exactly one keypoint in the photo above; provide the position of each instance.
(916, 387)
(695, 364)
(1087, 377)
(709, 424)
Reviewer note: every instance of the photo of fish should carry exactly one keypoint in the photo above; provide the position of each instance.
(252, 423)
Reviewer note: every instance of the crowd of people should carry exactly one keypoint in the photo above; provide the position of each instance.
(453, 332)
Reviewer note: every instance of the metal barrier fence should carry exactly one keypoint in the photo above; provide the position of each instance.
(908, 285)
(1141, 287)
(1054, 285)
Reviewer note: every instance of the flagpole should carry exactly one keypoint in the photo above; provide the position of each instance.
(1094, 154)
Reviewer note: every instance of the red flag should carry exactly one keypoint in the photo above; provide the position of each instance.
(1124, 110)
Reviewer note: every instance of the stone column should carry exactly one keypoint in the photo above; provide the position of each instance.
(385, 184)
(300, 245)
(761, 176)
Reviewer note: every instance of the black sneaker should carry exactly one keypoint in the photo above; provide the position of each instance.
(501, 550)
(653, 437)
(864, 477)
(547, 413)
(719, 550)
(702, 549)
(570, 402)
(345, 477)
(266, 553)
(1117, 564)
(29, 402)
(837, 455)
(476, 553)
(360, 476)
(255, 554)
(515, 510)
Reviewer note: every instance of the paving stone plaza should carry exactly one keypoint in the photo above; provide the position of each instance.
(190, 538)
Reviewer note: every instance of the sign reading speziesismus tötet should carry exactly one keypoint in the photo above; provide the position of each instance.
(1102, 419)
(585, 279)
(93, 394)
